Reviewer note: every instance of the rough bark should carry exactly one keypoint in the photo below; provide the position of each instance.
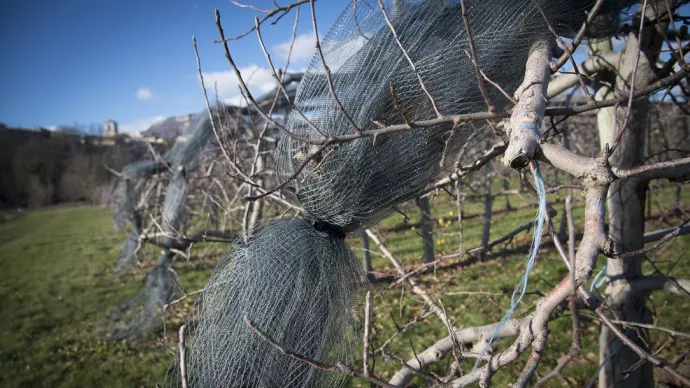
(626, 204)
(526, 118)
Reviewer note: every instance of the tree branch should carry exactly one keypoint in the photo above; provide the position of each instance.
(337, 368)
(528, 115)
(463, 336)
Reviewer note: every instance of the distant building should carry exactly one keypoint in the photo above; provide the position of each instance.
(110, 128)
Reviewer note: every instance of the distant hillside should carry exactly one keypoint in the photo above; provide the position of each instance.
(175, 126)
(172, 127)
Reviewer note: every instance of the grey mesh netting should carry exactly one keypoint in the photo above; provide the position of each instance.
(315, 289)
(142, 313)
(125, 192)
(296, 279)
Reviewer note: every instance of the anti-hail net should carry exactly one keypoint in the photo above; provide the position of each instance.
(126, 190)
(315, 289)
(142, 313)
(297, 280)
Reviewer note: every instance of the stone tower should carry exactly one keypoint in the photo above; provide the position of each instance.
(110, 128)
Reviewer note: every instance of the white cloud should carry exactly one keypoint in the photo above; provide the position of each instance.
(259, 80)
(235, 101)
(134, 128)
(144, 94)
(303, 48)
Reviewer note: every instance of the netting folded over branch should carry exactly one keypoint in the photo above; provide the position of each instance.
(296, 280)
(359, 182)
(143, 312)
(314, 283)
(126, 190)
(140, 314)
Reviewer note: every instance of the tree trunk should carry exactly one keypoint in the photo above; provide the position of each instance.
(257, 207)
(427, 226)
(365, 252)
(626, 205)
(488, 210)
(459, 204)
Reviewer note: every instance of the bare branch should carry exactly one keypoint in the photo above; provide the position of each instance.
(463, 336)
(673, 333)
(678, 169)
(413, 283)
(409, 60)
(640, 352)
(269, 13)
(183, 364)
(578, 38)
(567, 49)
(527, 116)
(318, 154)
(680, 287)
(337, 368)
(628, 112)
(597, 63)
(248, 94)
(673, 234)
(327, 71)
(367, 328)
(496, 150)
(659, 234)
(279, 81)
(475, 62)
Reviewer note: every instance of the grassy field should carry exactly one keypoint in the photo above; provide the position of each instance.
(58, 280)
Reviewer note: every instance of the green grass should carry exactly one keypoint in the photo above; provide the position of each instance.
(58, 280)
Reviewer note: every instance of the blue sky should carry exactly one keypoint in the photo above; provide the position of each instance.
(88, 61)
(132, 61)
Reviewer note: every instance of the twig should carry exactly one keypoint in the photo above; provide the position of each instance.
(413, 283)
(307, 160)
(402, 329)
(327, 71)
(183, 364)
(497, 86)
(285, 9)
(496, 150)
(475, 62)
(280, 81)
(338, 368)
(673, 333)
(672, 169)
(185, 296)
(248, 94)
(409, 60)
(367, 328)
(628, 113)
(558, 188)
(675, 233)
(567, 54)
(680, 55)
(250, 6)
(638, 350)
